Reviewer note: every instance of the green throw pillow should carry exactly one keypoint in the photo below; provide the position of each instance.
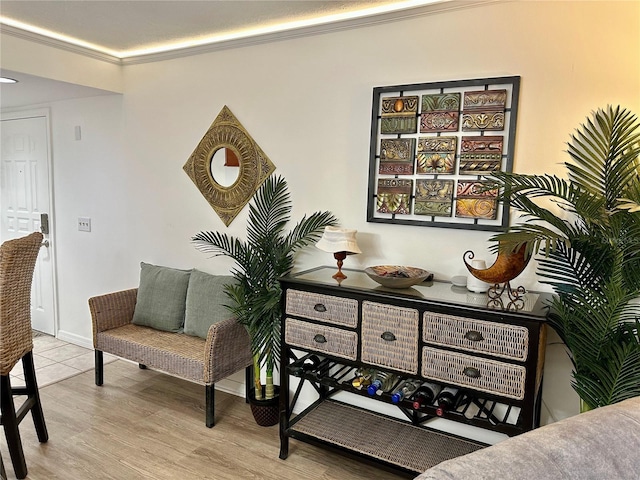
(206, 302)
(161, 297)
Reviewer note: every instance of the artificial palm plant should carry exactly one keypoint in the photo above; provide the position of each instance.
(266, 254)
(591, 256)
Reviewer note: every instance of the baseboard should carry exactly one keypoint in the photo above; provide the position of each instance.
(231, 386)
(75, 339)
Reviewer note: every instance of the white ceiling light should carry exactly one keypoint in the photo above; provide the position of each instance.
(8, 80)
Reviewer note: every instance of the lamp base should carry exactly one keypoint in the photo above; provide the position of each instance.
(339, 275)
(339, 256)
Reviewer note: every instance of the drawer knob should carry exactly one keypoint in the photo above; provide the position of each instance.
(318, 307)
(471, 372)
(388, 337)
(473, 336)
(319, 338)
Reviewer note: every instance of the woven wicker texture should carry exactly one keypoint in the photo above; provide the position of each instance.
(336, 310)
(392, 441)
(225, 351)
(337, 342)
(493, 377)
(402, 352)
(112, 310)
(17, 262)
(507, 341)
(175, 353)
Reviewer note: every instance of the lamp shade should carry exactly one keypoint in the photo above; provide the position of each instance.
(336, 239)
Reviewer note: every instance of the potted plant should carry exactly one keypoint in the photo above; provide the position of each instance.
(266, 255)
(591, 256)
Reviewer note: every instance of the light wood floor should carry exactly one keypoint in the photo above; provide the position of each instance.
(145, 425)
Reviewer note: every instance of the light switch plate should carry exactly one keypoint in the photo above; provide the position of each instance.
(84, 224)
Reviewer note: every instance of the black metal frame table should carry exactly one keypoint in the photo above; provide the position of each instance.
(492, 353)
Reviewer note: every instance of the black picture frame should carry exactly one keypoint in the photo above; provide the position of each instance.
(509, 83)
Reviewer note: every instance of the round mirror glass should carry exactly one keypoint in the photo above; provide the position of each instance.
(225, 167)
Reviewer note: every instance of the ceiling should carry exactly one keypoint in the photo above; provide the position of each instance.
(122, 30)
(126, 28)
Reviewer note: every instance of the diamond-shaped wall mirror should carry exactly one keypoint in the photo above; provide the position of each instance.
(228, 166)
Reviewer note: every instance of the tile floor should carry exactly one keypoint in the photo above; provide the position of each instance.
(56, 360)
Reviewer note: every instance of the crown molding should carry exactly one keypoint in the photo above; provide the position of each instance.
(341, 25)
(55, 43)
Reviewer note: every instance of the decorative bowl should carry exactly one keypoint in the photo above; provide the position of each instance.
(395, 276)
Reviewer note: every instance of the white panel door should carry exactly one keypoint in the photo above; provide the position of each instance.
(24, 196)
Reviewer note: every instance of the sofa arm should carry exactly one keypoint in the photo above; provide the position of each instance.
(112, 310)
(227, 350)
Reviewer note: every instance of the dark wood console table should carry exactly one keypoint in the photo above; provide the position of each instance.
(434, 332)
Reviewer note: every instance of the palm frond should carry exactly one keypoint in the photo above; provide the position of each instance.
(591, 259)
(261, 259)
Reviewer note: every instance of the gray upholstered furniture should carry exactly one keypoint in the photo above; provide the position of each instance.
(225, 350)
(603, 444)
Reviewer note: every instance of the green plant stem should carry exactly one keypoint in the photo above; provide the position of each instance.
(256, 377)
(269, 388)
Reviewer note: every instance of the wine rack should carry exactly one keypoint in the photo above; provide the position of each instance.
(429, 333)
(470, 408)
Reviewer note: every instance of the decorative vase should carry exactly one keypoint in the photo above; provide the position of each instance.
(475, 284)
(265, 412)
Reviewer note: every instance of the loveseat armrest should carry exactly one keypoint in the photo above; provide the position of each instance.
(227, 350)
(112, 310)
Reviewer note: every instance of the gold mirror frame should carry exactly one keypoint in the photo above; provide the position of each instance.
(255, 167)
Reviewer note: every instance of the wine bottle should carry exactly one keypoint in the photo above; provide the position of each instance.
(447, 399)
(307, 365)
(405, 390)
(425, 395)
(382, 382)
(362, 378)
(310, 363)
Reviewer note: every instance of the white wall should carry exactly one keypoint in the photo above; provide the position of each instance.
(307, 103)
(22, 55)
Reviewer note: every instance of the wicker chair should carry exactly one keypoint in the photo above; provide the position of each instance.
(17, 262)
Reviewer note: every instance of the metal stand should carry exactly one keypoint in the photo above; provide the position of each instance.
(514, 295)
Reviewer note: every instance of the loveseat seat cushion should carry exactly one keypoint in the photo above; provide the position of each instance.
(600, 444)
(161, 297)
(205, 304)
(175, 353)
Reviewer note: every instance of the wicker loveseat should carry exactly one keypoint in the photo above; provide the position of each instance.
(224, 351)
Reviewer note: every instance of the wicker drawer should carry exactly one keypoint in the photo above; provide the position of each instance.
(329, 340)
(326, 308)
(506, 341)
(478, 373)
(390, 336)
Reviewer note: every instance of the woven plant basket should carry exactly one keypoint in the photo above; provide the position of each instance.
(265, 412)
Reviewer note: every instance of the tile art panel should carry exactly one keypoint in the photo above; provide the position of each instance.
(440, 112)
(394, 196)
(473, 200)
(397, 156)
(484, 110)
(436, 155)
(399, 114)
(481, 154)
(434, 197)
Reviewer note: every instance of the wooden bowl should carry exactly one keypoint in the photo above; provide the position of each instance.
(396, 276)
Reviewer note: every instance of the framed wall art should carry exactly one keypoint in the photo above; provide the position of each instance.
(432, 147)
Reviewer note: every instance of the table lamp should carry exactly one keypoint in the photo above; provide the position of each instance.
(341, 242)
